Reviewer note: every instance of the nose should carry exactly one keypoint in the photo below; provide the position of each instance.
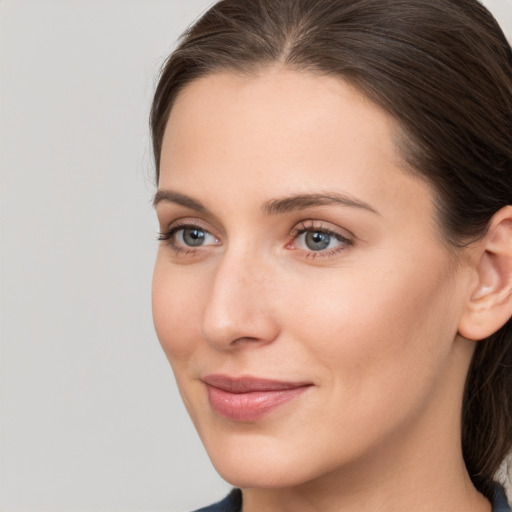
(239, 307)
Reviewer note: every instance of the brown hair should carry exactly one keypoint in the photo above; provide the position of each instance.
(443, 69)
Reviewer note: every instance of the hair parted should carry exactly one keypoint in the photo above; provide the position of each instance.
(443, 70)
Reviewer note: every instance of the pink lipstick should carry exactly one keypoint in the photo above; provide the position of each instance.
(247, 399)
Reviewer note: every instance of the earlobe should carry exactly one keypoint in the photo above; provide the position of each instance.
(489, 304)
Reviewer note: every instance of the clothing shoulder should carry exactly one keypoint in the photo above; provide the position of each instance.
(231, 503)
(499, 500)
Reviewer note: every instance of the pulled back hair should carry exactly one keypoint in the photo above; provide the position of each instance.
(443, 70)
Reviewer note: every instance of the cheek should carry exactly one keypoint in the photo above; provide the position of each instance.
(377, 326)
(176, 304)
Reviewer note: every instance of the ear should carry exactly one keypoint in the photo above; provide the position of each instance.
(489, 303)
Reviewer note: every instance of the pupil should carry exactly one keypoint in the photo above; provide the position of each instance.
(193, 237)
(317, 241)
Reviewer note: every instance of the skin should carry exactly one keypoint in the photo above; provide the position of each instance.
(372, 322)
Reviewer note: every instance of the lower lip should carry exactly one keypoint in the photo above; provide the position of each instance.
(251, 406)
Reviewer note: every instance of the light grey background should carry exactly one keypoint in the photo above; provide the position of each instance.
(90, 417)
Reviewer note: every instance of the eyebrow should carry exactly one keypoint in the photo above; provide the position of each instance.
(169, 196)
(274, 206)
(301, 201)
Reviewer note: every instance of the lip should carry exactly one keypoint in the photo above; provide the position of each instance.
(247, 399)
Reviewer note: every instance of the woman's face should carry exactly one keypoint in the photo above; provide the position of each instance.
(301, 291)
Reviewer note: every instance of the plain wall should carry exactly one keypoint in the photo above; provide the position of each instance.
(90, 416)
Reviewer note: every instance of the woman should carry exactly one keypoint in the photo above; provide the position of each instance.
(333, 286)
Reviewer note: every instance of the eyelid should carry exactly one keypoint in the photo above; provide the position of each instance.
(189, 222)
(326, 227)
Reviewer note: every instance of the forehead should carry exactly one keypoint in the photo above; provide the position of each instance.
(279, 129)
(277, 107)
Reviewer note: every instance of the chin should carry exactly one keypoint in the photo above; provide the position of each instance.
(262, 461)
(252, 474)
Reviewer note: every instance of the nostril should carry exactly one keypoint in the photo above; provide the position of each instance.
(243, 327)
(247, 340)
(245, 334)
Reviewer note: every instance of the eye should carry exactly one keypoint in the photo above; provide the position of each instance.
(318, 240)
(188, 237)
(193, 237)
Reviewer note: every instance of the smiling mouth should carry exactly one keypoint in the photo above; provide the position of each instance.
(248, 399)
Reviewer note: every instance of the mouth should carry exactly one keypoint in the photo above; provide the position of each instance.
(247, 399)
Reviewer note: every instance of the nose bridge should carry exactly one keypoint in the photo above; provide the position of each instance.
(238, 304)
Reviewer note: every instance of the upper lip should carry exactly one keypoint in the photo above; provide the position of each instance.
(250, 384)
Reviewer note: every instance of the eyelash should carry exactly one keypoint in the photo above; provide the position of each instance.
(168, 237)
(312, 227)
(296, 232)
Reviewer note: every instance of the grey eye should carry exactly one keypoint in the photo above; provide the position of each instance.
(193, 237)
(317, 240)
